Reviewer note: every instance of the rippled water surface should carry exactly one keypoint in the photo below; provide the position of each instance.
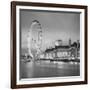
(39, 69)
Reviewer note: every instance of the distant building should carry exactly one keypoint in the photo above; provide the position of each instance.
(62, 51)
(58, 43)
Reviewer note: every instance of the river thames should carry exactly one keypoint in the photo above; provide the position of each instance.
(42, 69)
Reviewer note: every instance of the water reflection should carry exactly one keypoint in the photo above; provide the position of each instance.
(39, 69)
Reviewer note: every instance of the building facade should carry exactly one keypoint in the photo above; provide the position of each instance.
(61, 52)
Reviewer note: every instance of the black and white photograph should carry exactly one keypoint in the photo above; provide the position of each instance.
(49, 44)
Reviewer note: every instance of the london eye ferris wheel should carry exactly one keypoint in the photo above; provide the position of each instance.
(34, 39)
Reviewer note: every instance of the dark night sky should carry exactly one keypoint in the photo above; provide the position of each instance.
(55, 25)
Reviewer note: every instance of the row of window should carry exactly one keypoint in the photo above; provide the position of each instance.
(63, 54)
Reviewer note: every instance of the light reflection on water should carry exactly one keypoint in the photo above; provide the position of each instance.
(39, 69)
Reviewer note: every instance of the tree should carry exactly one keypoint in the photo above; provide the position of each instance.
(74, 44)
